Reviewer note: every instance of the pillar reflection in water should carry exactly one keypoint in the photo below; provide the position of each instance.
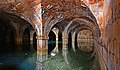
(42, 40)
(55, 30)
(65, 47)
(65, 53)
(42, 52)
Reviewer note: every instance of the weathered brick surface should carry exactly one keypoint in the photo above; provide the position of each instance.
(107, 13)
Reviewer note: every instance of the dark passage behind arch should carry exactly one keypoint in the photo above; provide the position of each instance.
(26, 40)
(7, 36)
(51, 41)
(60, 42)
(35, 41)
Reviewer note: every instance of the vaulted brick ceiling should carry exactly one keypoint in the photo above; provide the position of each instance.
(27, 8)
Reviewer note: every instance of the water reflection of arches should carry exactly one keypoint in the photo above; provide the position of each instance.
(70, 30)
(55, 41)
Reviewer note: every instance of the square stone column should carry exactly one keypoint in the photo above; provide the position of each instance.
(64, 43)
(42, 51)
(73, 41)
(19, 39)
(31, 40)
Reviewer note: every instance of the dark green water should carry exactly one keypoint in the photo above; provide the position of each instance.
(72, 61)
(66, 60)
(18, 61)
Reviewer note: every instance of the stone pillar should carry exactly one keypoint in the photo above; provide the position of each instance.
(55, 30)
(19, 40)
(31, 36)
(31, 39)
(42, 40)
(78, 41)
(64, 41)
(65, 46)
(73, 41)
(42, 51)
(65, 49)
(65, 53)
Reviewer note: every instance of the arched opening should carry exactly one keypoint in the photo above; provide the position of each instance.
(51, 41)
(82, 56)
(34, 41)
(12, 56)
(68, 22)
(78, 59)
(7, 36)
(7, 43)
(26, 40)
(86, 40)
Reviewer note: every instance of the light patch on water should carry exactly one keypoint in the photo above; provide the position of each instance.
(1, 63)
(53, 54)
